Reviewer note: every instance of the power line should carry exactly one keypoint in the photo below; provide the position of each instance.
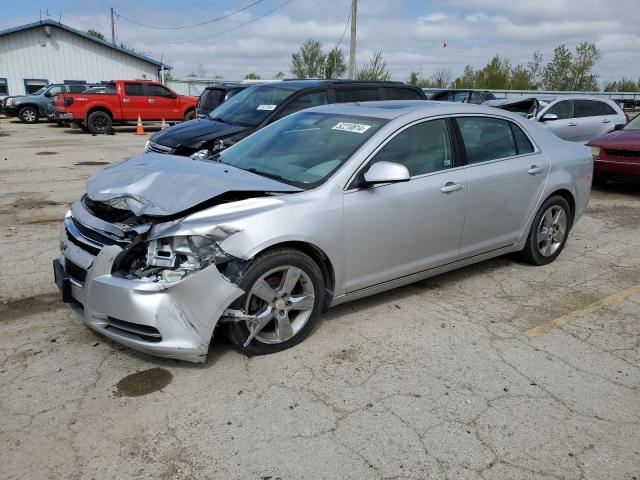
(346, 25)
(229, 29)
(189, 26)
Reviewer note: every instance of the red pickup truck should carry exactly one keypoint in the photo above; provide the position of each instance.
(122, 102)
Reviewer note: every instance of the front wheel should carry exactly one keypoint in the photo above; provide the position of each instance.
(190, 115)
(283, 300)
(28, 115)
(549, 232)
(99, 122)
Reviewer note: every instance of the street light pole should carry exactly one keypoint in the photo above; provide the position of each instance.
(352, 48)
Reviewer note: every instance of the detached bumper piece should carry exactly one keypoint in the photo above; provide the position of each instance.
(169, 319)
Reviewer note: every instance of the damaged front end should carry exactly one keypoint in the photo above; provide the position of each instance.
(163, 295)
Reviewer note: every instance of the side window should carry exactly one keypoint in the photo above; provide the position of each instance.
(133, 89)
(4, 88)
(523, 144)
(486, 138)
(155, 90)
(461, 97)
(592, 108)
(77, 88)
(110, 88)
(357, 95)
(56, 90)
(305, 101)
(423, 148)
(395, 93)
(563, 109)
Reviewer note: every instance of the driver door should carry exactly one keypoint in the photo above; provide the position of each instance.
(396, 229)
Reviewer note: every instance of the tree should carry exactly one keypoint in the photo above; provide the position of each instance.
(252, 76)
(567, 71)
(520, 79)
(495, 74)
(95, 33)
(280, 75)
(535, 68)
(440, 79)
(308, 61)
(334, 64)
(467, 80)
(414, 78)
(375, 69)
(623, 85)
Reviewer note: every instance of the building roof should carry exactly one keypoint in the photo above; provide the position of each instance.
(53, 23)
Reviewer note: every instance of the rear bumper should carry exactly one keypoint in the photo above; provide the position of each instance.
(174, 320)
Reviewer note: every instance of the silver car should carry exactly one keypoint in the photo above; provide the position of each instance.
(579, 118)
(325, 206)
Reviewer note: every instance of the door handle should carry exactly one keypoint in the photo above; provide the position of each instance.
(606, 120)
(125, 100)
(451, 187)
(151, 100)
(572, 124)
(534, 170)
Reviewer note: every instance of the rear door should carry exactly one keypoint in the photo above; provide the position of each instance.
(506, 176)
(134, 102)
(596, 118)
(160, 103)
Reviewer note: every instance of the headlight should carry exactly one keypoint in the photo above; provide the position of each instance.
(206, 153)
(146, 147)
(595, 152)
(171, 258)
(9, 102)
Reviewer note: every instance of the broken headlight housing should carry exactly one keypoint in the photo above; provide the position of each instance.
(170, 258)
(218, 146)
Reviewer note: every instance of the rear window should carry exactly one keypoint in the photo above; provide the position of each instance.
(133, 89)
(210, 99)
(592, 108)
(396, 93)
(357, 95)
(486, 138)
(77, 88)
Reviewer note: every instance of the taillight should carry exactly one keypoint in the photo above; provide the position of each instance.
(68, 101)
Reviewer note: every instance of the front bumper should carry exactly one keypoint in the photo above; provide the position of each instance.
(175, 320)
(10, 111)
(616, 167)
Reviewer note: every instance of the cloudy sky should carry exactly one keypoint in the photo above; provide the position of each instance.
(410, 33)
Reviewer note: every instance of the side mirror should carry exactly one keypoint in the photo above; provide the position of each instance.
(173, 95)
(386, 172)
(47, 94)
(619, 126)
(547, 117)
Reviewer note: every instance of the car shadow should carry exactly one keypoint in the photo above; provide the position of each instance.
(623, 188)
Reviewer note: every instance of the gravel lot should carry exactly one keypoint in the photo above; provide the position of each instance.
(496, 371)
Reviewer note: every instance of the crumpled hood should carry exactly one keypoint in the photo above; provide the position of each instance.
(194, 132)
(161, 185)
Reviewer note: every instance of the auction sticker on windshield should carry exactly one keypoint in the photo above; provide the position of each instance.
(266, 107)
(351, 127)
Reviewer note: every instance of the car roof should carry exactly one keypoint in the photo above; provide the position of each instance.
(226, 87)
(391, 109)
(301, 84)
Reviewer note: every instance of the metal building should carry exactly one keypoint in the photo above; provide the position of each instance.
(47, 51)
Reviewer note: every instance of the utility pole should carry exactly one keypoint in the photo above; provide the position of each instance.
(352, 48)
(113, 29)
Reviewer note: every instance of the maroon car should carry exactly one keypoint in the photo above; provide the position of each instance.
(616, 155)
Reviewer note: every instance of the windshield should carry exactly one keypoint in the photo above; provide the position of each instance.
(303, 149)
(41, 91)
(633, 124)
(250, 107)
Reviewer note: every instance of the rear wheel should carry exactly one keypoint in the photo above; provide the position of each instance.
(549, 232)
(28, 115)
(190, 115)
(284, 296)
(99, 122)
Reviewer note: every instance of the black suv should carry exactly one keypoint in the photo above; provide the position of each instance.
(258, 106)
(213, 96)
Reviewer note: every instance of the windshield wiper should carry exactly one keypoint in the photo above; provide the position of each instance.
(267, 174)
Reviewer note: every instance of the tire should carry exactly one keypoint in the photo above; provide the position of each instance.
(84, 128)
(190, 115)
(99, 122)
(270, 269)
(28, 115)
(543, 245)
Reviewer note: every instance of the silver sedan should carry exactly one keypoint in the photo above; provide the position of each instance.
(325, 206)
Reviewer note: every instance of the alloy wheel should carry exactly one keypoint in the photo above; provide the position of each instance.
(282, 301)
(551, 230)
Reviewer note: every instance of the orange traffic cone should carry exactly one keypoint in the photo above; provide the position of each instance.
(163, 125)
(139, 129)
